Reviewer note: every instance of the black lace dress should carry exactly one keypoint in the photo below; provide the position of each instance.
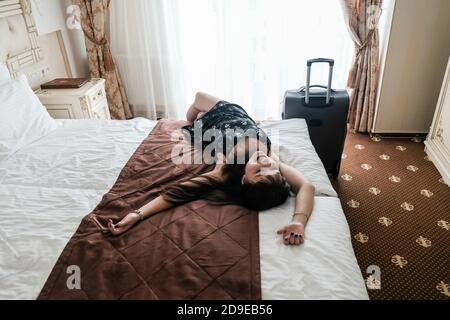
(222, 127)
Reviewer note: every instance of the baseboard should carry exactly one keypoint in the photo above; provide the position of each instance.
(434, 152)
(399, 134)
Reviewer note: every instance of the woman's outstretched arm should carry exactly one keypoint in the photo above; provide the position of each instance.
(294, 233)
(160, 203)
(153, 207)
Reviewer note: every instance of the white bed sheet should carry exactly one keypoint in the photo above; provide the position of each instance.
(46, 188)
(324, 267)
(290, 139)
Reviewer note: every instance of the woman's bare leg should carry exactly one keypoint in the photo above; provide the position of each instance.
(203, 103)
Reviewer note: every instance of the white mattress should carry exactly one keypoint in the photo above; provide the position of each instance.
(47, 187)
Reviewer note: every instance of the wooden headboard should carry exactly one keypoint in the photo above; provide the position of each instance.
(19, 46)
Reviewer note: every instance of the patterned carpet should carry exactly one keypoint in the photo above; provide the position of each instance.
(398, 209)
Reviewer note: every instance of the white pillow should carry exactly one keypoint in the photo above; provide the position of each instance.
(23, 119)
(5, 77)
(295, 148)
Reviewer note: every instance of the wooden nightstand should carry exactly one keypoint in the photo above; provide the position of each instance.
(87, 102)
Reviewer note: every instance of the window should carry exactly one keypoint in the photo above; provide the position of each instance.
(251, 51)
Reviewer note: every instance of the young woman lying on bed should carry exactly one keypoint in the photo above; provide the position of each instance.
(259, 182)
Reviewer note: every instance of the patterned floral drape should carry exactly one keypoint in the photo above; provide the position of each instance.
(362, 17)
(101, 62)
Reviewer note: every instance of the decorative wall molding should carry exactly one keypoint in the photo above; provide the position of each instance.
(10, 8)
(437, 144)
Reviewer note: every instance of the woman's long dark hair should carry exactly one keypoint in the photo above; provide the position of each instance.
(230, 190)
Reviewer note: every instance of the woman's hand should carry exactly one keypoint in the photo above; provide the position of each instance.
(126, 223)
(293, 233)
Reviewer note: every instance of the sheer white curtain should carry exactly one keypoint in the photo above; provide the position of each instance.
(245, 51)
(145, 44)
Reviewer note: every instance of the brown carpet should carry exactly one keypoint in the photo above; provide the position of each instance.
(398, 209)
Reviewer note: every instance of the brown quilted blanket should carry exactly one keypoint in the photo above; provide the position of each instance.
(195, 251)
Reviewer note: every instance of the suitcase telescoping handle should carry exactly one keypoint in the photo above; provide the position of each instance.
(309, 63)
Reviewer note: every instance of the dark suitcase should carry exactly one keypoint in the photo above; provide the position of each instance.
(325, 111)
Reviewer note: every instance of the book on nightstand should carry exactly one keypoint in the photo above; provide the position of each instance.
(64, 83)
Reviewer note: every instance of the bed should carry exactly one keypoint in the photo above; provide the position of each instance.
(47, 187)
(58, 171)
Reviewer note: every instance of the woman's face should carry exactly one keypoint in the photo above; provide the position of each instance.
(259, 167)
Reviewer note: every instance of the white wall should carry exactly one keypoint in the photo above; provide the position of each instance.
(52, 56)
(50, 16)
(415, 61)
(75, 47)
